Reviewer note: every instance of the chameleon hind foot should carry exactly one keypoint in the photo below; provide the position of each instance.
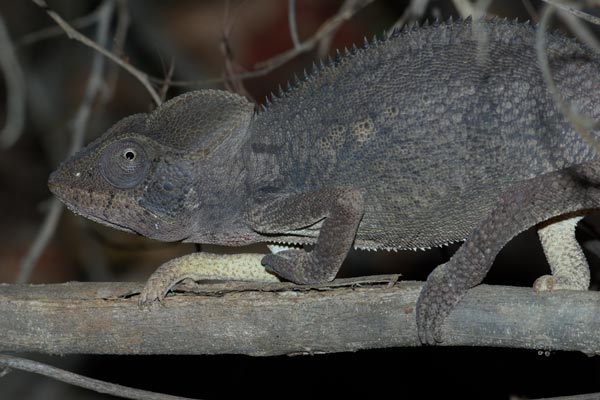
(528, 203)
(570, 270)
(203, 267)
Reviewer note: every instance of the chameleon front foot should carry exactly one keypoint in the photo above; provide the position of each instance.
(297, 266)
(438, 298)
(338, 211)
(203, 267)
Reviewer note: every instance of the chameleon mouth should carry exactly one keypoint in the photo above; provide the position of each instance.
(98, 219)
(80, 202)
(107, 223)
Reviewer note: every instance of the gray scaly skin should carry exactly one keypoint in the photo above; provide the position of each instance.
(411, 142)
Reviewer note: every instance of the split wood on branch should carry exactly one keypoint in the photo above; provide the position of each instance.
(272, 319)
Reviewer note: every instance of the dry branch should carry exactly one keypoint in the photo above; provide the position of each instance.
(15, 90)
(78, 127)
(348, 9)
(273, 319)
(72, 33)
(56, 31)
(82, 381)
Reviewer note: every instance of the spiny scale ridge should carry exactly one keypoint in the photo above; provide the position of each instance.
(354, 50)
(338, 57)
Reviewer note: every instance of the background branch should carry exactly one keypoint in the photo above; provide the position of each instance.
(15, 90)
(292, 22)
(348, 9)
(72, 33)
(54, 31)
(82, 381)
(262, 320)
(78, 130)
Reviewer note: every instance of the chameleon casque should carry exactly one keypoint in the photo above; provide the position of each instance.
(412, 141)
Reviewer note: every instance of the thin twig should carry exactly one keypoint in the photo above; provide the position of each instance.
(475, 10)
(95, 80)
(54, 31)
(530, 10)
(292, 23)
(41, 240)
(580, 30)
(415, 10)
(265, 67)
(79, 125)
(231, 67)
(571, 8)
(324, 42)
(82, 381)
(483, 41)
(568, 13)
(168, 76)
(76, 35)
(15, 90)
(122, 26)
(332, 24)
(463, 7)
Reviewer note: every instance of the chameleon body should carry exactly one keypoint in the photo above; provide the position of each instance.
(418, 140)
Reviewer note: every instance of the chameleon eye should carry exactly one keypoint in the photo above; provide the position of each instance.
(129, 154)
(124, 163)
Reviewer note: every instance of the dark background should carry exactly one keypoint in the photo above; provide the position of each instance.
(190, 33)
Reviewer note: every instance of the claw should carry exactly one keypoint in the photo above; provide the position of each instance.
(155, 291)
(295, 265)
(282, 263)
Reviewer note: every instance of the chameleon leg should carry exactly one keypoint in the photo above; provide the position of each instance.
(340, 211)
(204, 266)
(524, 205)
(568, 264)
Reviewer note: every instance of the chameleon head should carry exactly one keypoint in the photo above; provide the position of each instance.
(141, 175)
(108, 180)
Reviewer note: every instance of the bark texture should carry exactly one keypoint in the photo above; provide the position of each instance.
(280, 318)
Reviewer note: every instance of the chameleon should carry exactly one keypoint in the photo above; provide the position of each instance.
(417, 139)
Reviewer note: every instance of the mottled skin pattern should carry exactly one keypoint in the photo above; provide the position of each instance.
(416, 141)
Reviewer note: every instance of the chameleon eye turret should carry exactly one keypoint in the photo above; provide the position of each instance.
(124, 163)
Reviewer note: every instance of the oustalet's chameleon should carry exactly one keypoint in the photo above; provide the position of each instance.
(416, 140)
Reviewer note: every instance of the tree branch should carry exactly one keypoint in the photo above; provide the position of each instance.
(78, 130)
(78, 36)
(348, 9)
(15, 90)
(82, 381)
(280, 318)
(55, 31)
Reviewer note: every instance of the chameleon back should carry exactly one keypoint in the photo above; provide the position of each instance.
(432, 123)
